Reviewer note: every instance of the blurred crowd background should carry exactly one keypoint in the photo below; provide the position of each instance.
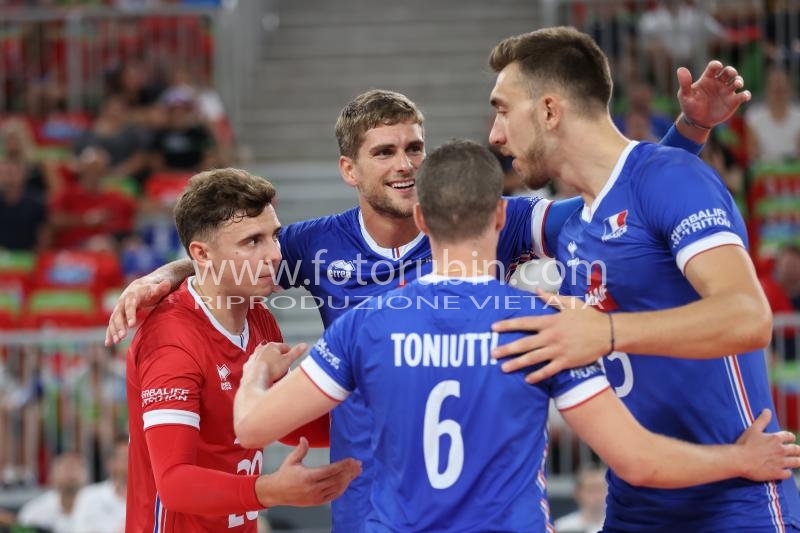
(108, 107)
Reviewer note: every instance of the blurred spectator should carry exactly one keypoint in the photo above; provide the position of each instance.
(23, 214)
(185, 144)
(783, 286)
(138, 259)
(138, 88)
(100, 406)
(46, 110)
(720, 158)
(638, 127)
(640, 109)
(781, 39)
(512, 182)
(124, 142)
(100, 508)
(18, 147)
(673, 33)
(614, 29)
(53, 510)
(85, 209)
(590, 495)
(773, 125)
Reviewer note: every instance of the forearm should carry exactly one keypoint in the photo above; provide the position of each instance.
(666, 463)
(711, 327)
(174, 272)
(193, 489)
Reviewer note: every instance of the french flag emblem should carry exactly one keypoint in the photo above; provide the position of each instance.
(615, 225)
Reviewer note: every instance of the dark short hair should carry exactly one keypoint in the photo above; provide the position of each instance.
(563, 56)
(369, 110)
(217, 196)
(458, 186)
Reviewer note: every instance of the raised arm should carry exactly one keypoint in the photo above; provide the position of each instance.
(709, 101)
(145, 292)
(646, 459)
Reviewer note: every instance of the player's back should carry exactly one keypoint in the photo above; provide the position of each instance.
(458, 445)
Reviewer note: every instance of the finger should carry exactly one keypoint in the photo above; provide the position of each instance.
(299, 453)
(527, 360)
(558, 301)
(525, 323)
(520, 346)
(131, 305)
(787, 437)
(547, 371)
(684, 82)
(726, 74)
(117, 323)
(713, 69)
(760, 423)
(331, 471)
(296, 351)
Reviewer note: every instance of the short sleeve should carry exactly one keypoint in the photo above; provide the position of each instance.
(555, 216)
(330, 363)
(687, 206)
(171, 385)
(523, 232)
(573, 387)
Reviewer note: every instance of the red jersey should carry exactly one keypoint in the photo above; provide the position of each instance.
(184, 369)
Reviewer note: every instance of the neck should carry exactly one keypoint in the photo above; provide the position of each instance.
(471, 258)
(67, 502)
(120, 487)
(231, 316)
(388, 232)
(590, 150)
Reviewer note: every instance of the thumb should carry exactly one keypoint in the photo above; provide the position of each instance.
(162, 289)
(684, 81)
(299, 453)
(760, 423)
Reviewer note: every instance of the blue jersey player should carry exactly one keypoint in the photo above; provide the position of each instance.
(421, 358)
(663, 287)
(346, 259)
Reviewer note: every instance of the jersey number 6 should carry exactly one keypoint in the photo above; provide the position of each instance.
(432, 431)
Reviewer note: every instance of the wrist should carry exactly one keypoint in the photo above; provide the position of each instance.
(265, 491)
(692, 124)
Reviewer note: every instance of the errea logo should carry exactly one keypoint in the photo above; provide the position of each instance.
(341, 270)
(223, 371)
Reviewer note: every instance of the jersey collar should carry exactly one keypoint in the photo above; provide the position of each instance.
(589, 211)
(389, 253)
(240, 341)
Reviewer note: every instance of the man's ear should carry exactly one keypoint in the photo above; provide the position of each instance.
(347, 168)
(199, 253)
(552, 110)
(500, 214)
(419, 219)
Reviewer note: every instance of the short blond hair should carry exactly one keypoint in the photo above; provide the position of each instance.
(371, 109)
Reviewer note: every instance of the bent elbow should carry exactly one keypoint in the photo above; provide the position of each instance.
(760, 327)
(247, 434)
(636, 472)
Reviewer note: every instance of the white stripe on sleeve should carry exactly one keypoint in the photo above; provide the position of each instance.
(160, 417)
(706, 243)
(323, 380)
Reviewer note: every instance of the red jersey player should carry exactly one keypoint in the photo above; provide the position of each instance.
(188, 471)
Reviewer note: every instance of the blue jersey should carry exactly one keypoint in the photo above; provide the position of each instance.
(458, 445)
(660, 208)
(335, 259)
